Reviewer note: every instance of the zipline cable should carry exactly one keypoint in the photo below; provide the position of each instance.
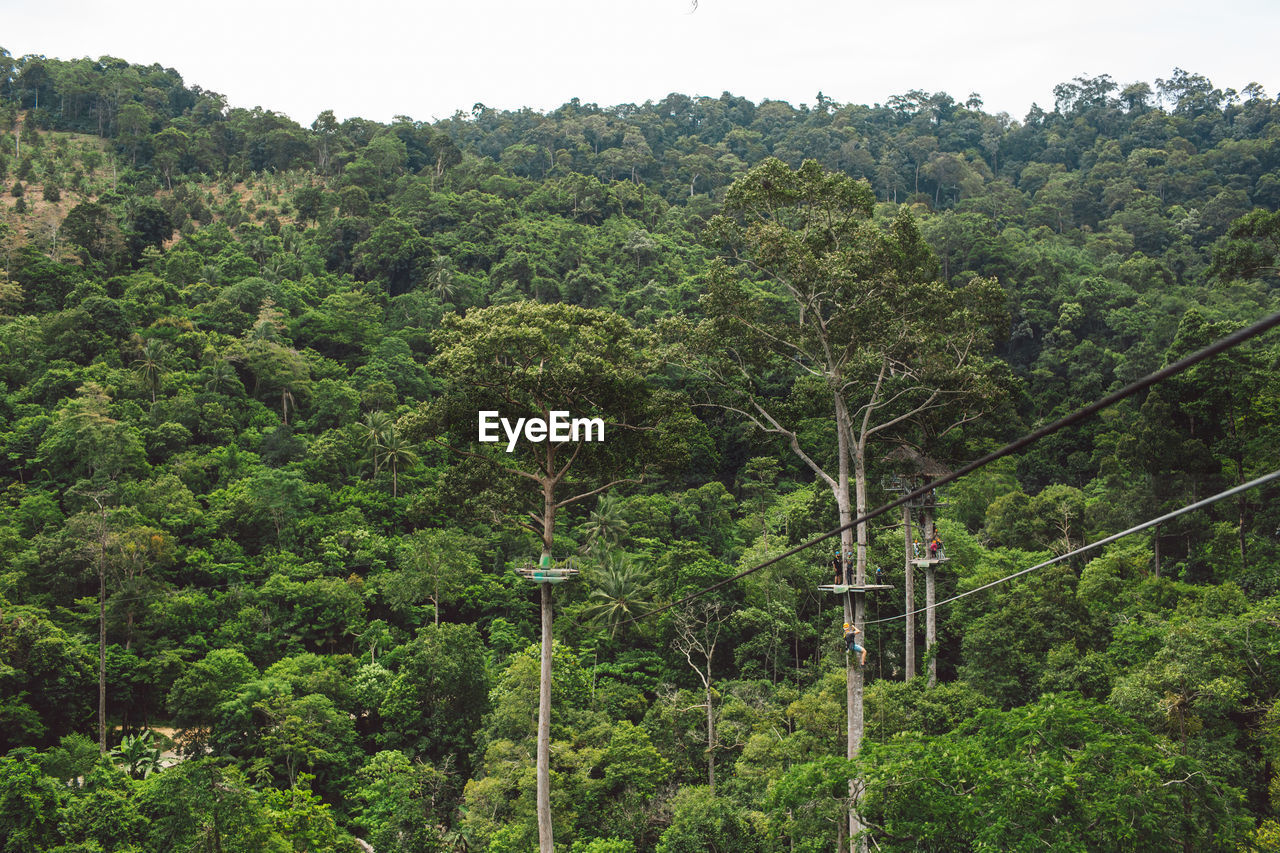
(1232, 340)
(1260, 481)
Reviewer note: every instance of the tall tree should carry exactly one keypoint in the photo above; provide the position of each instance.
(524, 361)
(817, 301)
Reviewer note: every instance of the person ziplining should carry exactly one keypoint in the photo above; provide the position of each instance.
(851, 644)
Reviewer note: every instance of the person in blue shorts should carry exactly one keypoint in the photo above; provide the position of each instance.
(851, 642)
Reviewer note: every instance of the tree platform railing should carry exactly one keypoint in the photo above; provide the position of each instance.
(547, 571)
(844, 588)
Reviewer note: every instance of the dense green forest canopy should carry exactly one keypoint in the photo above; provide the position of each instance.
(233, 354)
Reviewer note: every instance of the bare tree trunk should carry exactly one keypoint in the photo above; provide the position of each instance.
(909, 592)
(930, 623)
(1244, 513)
(843, 432)
(930, 597)
(545, 844)
(1155, 546)
(854, 607)
(102, 627)
(102, 652)
(856, 723)
(215, 787)
(711, 737)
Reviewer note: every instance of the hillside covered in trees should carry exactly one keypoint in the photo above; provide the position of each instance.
(242, 362)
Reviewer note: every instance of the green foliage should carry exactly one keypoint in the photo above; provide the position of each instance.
(105, 810)
(631, 764)
(896, 707)
(29, 802)
(200, 805)
(702, 821)
(1065, 772)
(1187, 675)
(265, 403)
(138, 755)
(1005, 647)
(604, 845)
(303, 733)
(438, 566)
(434, 705)
(304, 821)
(514, 697)
(1052, 520)
(85, 441)
(204, 687)
(46, 675)
(400, 803)
(1250, 248)
(75, 755)
(809, 801)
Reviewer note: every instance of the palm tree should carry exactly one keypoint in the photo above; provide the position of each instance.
(149, 364)
(621, 594)
(441, 278)
(221, 374)
(373, 430)
(605, 526)
(397, 453)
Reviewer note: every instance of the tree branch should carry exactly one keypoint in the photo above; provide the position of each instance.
(586, 495)
(473, 455)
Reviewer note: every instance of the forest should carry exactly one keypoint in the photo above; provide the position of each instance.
(263, 589)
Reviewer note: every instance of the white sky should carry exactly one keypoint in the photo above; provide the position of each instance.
(379, 58)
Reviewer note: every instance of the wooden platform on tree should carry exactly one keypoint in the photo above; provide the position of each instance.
(556, 573)
(844, 588)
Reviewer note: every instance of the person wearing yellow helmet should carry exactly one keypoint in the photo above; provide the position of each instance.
(851, 643)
